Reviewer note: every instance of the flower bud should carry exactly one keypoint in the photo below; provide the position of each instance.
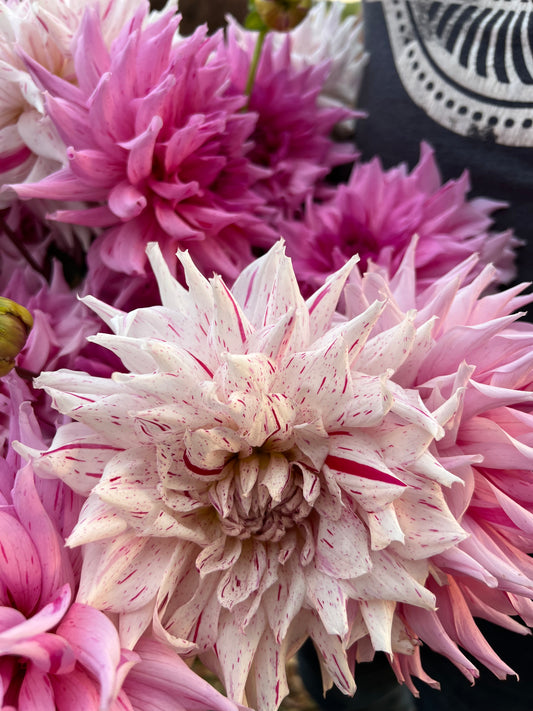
(282, 15)
(15, 325)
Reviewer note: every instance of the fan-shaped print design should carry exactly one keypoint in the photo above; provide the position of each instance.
(468, 64)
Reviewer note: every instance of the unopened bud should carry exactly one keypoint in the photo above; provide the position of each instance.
(282, 15)
(15, 325)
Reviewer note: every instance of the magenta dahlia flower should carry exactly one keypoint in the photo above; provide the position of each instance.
(376, 214)
(256, 478)
(475, 342)
(158, 142)
(292, 137)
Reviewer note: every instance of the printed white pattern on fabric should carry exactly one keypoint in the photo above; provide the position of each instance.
(468, 65)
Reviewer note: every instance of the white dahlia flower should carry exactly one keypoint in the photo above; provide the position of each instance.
(256, 477)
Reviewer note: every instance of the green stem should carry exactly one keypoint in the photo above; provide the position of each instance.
(255, 62)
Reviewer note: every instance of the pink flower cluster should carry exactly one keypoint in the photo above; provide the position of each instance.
(216, 443)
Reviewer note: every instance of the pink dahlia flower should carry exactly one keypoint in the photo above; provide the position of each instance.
(52, 652)
(256, 478)
(378, 212)
(158, 142)
(292, 137)
(325, 35)
(475, 342)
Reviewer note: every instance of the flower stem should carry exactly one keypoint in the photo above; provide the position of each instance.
(255, 62)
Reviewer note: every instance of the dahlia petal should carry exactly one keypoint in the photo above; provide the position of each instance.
(87, 165)
(317, 378)
(126, 201)
(384, 528)
(90, 54)
(347, 537)
(141, 153)
(46, 618)
(189, 138)
(458, 561)
(160, 680)
(500, 449)
(326, 596)
(175, 225)
(356, 331)
(243, 578)
(454, 613)
(390, 580)
(431, 534)
(121, 573)
(332, 657)
(69, 120)
(322, 304)
(59, 186)
(267, 289)
(78, 463)
(428, 627)
(229, 319)
(378, 616)
(92, 216)
(21, 568)
(236, 658)
(36, 693)
(55, 566)
(39, 134)
(95, 522)
(96, 645)
(285, 599)
(75, 690)
(51, 82)
(270, 685)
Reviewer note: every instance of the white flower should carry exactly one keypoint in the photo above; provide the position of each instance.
(256, 478)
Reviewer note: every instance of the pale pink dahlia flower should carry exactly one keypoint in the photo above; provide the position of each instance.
(475, 342)
(292, 137)
(30, 147)
(256, 478)
(56, 654)
(157, 140)
(378, 211)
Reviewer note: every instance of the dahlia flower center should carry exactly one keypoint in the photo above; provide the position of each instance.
(259, 481)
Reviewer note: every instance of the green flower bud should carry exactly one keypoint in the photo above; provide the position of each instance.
(15, 325)
(282, 15)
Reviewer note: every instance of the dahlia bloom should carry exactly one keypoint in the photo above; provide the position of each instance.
(475, 342)
(256, 478)
(326, 36)
(292, 137)
(158, 142)
(30, 147)
(56, 654)
(376, 214)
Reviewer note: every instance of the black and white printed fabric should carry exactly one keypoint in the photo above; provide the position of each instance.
(458, 75)
(468, 64)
